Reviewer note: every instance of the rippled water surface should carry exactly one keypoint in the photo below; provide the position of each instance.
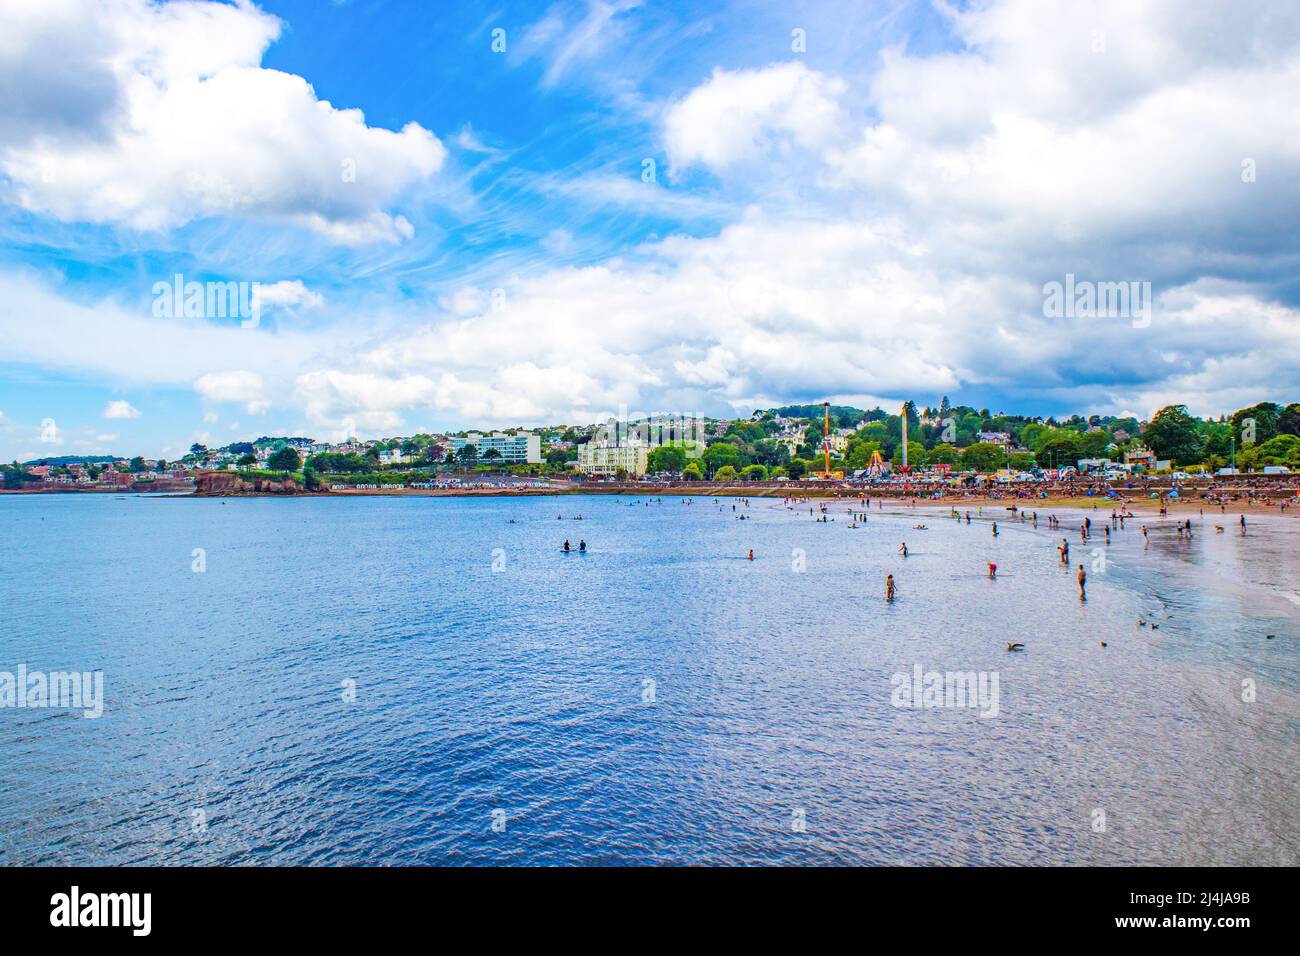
(661, 699)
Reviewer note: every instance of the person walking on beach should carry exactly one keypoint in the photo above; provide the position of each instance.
(1243, 524)
(995, 529)
(889, 587)
(1083, 581)
(1146, 540)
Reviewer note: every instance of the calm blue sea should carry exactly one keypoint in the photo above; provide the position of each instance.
(431, 681)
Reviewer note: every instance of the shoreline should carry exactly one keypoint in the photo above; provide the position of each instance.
(1146, 506)
(1241, 500)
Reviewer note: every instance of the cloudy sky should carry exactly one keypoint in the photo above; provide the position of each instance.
(475, 215)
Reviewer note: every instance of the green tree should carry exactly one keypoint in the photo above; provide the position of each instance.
(1058, 448)
(468, 454)
(286, 459)
(797, 468)
(945, 454)
(1280, 450)
(1288, 420)
(721, 454)
(915, 454)
(1030, 435)
(692, 472)
(245, 460)
(754, 473)
(725, 473)
(1255, 425)
(666, 458)
(1172, 433)
(984, 456)
(1093, 444)
(860, 453)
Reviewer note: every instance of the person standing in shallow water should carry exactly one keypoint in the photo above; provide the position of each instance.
(1083, 581)
(889, 587)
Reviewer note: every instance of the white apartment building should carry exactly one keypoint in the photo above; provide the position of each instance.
(524, 448)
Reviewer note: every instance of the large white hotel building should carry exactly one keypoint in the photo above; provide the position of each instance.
(520, 449)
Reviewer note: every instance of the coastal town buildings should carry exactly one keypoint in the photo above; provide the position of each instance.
(1140, 458)
(608, 458)
(523, 448)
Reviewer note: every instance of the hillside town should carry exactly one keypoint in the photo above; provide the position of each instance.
(797, 443)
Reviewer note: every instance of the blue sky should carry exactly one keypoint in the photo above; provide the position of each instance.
(643, 206)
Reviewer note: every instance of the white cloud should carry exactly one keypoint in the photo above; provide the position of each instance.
(153, 115)
(286, 294)
(234, 386)
(780, 310)
(735, 116)
(121, 408)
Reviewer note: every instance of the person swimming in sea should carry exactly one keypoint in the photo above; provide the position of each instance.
(582, 545)
(566, 549)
